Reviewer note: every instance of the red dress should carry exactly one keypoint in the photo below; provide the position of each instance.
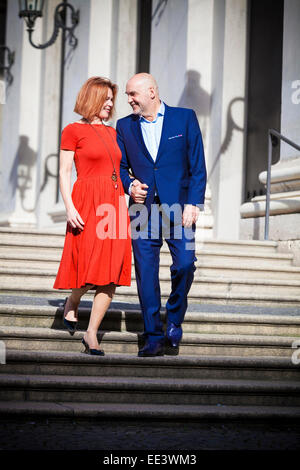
(99, 254)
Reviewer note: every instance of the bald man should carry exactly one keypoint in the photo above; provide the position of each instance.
(163, 170)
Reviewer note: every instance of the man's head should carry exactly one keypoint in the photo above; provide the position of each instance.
(143, 95)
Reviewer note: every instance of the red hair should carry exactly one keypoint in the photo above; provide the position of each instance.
(92, 96)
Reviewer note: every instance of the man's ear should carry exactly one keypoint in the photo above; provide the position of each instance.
(152, 93)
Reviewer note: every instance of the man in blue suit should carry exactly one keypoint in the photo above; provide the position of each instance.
(163, 170)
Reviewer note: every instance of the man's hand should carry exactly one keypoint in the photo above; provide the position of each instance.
(138, 191)
(190, 215)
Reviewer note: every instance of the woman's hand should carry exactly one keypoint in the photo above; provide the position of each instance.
(65, 170)
(74, 219)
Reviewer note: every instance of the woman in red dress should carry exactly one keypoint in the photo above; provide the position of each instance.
(97, 248)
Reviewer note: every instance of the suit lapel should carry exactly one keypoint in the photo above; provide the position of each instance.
(136, 129)
(164, 132)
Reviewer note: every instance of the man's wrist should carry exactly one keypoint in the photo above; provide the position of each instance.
(130, 186)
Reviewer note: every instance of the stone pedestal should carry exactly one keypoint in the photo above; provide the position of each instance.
(283, 228)
(284, 222)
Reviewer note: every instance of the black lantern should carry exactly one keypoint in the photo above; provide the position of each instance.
(30, 10)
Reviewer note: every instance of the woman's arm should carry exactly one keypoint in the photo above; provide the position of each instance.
(65, 171)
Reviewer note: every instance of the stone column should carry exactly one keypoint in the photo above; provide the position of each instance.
(215, 147)
(124, 47)
(229, 161)
(180, 60)
(168, 55)
(76, 69)
(21, 126)
(10, 118)
(48, 142)
(198, 89)
(100, 37)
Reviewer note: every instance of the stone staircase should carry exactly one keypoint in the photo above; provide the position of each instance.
(243, 272)
(235, 358)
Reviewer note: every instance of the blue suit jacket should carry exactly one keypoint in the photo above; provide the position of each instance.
(179, 174)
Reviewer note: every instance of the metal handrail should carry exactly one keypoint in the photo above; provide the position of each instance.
(273, 137)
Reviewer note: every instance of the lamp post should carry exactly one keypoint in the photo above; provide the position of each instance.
(30, 10)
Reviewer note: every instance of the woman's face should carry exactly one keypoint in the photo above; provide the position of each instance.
(108, 104)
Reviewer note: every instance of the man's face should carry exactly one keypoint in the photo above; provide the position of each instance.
(139, 96)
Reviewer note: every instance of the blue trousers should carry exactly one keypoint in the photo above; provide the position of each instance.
(146, 250)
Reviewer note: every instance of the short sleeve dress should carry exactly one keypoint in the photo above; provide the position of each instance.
(99, 254)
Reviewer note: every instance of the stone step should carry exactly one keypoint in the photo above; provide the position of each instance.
(53, 252)
(43, 238)
(124, 365)
(21, 279)
(254, 246)
(142, 390)
(226, 268)
(47, 339)
(139, 411)
(130, 296)
(234, 258)
(234, 286)
(245, 259)
(130, 319)
(24, 239)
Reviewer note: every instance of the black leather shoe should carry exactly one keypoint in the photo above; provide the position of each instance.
(174, 334)
(92, 352)
(152, 349)
(70, 325)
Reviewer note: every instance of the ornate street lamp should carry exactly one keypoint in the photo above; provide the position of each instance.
(30, 10)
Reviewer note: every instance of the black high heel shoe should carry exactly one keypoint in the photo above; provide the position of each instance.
(92, 352)
(70, 325)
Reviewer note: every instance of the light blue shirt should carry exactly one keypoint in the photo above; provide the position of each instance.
(151, 131)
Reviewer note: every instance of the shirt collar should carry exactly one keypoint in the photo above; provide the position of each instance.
(161, 112)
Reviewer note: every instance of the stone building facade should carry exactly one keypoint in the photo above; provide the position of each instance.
(235, 62)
